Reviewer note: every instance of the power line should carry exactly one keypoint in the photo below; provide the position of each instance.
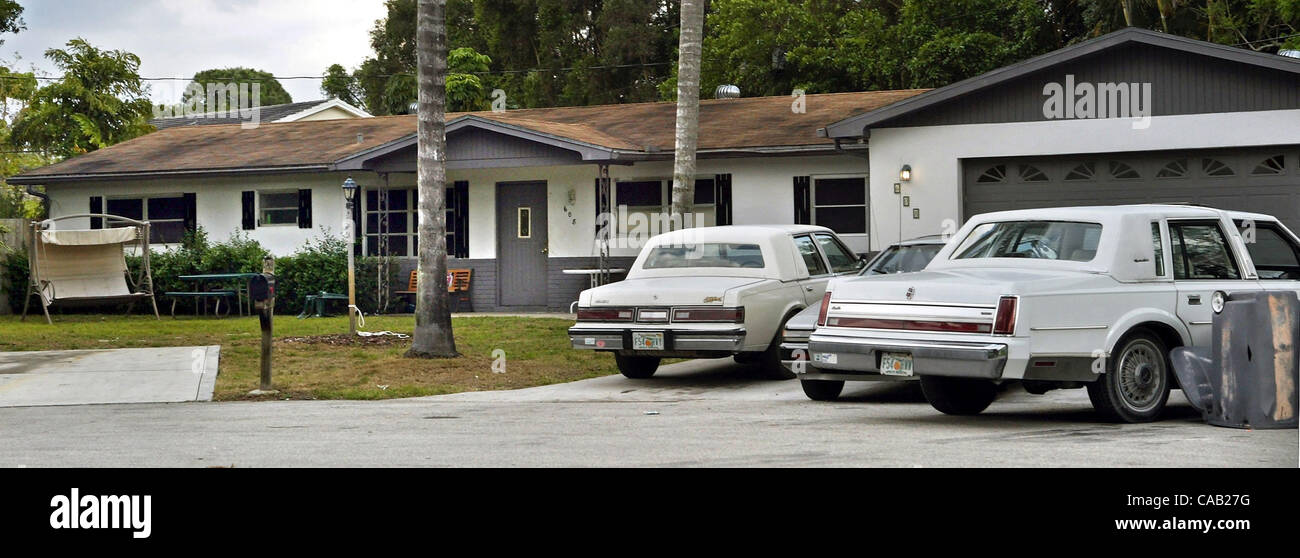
(283, 78)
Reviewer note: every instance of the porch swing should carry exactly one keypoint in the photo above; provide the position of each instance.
(71, 267)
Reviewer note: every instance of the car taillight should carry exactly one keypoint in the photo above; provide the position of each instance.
(826, 304)
(709, 314)
(1004, 323)
(605, 314)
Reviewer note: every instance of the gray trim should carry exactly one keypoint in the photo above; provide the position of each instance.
(857, 126)
(48, 178)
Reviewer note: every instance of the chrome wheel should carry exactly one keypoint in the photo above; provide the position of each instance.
(1141, 376)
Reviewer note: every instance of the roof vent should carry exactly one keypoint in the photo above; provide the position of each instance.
(361, 138)
(1289, 53)
(726, 92)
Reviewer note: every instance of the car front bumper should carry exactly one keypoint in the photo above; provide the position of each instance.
(844, 357)
(716, 338)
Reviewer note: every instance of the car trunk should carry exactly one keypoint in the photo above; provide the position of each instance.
(692, 291)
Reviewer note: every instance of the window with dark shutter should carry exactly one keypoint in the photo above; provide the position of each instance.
(802, 200)
(96, 206)
(461, 197)
(248, 211)
(722, 202)
(191, 205)
(304, 208)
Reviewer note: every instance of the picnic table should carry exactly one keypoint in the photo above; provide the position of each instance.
(240, 281)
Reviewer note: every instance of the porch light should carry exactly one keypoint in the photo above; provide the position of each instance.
(350, 189)
(905, 174)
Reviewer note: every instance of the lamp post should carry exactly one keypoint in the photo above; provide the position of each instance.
(350, 194)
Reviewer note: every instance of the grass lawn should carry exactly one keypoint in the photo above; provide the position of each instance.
(311, 361)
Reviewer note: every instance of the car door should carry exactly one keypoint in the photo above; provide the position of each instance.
(818, 272)
(1274, 253)
(1204, 261)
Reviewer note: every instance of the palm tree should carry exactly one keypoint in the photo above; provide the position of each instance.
(432, 337)
(688, 107)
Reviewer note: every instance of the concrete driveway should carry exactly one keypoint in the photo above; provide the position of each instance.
(151, 375)
(699, 413)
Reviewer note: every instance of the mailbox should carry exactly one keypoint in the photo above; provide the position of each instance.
(261, 287)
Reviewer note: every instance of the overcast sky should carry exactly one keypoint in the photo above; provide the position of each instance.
(176, 38)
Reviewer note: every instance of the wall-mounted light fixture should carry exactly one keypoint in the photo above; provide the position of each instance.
(906, 173)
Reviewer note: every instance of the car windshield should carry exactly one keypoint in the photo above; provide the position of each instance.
(1043, 240)
(716, 254)
(903, 259)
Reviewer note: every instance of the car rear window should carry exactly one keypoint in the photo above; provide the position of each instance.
(1042, 240)
(714, 254)
(904, 259)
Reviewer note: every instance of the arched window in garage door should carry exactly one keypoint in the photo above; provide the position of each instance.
(1270, 166)
(1030, 173)
(1215, 167)
(993, 175)
(1176, 168)
(1082, 171)
(1120, 170)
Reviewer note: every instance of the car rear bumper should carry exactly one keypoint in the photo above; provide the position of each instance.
(849, 356)
(729, 339)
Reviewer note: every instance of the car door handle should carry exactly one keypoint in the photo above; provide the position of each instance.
(1194, 300)
(809, 289)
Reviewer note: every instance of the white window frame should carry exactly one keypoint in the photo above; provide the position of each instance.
(259, 207)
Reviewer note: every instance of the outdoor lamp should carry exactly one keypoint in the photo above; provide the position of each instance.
(350, 189)
(906, 173)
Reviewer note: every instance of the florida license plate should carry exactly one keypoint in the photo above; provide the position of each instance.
(643, 341)
(896, 364)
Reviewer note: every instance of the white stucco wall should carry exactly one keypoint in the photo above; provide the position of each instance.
(935, 154)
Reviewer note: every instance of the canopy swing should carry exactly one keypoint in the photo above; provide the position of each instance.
(88, 266)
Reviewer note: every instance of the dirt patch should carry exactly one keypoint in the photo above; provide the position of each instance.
(342, 339)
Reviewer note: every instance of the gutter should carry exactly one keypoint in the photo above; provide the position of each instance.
(46, 179)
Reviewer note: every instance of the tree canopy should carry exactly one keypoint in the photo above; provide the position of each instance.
(271, 92)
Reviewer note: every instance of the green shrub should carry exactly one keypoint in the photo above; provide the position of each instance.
(15, 278)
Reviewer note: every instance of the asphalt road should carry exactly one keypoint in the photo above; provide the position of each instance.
(700, 413)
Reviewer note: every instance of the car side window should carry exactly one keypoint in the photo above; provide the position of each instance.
(811, 258)
(1201, 251)
(1275, 256)
(1160, 249)
(842, 260)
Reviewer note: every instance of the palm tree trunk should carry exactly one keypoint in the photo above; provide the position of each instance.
(432, 337)
(688, 108)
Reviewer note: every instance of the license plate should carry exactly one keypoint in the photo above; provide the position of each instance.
(896, 364)
(648, 341)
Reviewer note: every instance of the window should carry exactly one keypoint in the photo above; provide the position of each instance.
(1030, 173)
(811, 259)
(904, 259)
(166, 215)
(1044, 240)
(840, 204)
(525, 228)
(842, 260)
(392, 221)
(993, 174)
(1159, 249)
(653, 198)
(717, 254)
(1082, 171)
(1201, 252)
(1215, 167)
(1272, 165)
(278, 208)
(1275, 256)
(1176, 168)
(1120, 170)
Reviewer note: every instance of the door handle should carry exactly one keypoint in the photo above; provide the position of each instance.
(1194, 300)
(545, 251)
(809, 289)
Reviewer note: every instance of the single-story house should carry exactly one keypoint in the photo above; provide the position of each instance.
(324, 109)
(1133, 116)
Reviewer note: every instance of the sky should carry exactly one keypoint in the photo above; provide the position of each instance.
(176, 38)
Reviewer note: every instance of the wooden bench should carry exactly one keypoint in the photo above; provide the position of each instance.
(458, 282)
(202, 296)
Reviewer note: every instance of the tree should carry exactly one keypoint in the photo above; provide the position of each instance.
(99, 101)
(197, 96)
(688, 108)
(339, 84)
(11, 20)
(432, 337)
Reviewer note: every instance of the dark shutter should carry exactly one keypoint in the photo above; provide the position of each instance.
(304, 208)
(603, 226)
(358, 233)
(249, 210)
(803, 200)
(96, 206)
(191, 211)
(460, 218)
(722, 199)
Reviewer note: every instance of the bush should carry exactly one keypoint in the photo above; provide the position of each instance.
(320, 265)
(15, 278)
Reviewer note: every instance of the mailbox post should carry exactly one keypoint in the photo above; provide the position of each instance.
(261, 289)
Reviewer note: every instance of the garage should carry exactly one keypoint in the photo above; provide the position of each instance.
(1261, 179)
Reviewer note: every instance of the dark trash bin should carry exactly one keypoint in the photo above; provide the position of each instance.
(1247, 379)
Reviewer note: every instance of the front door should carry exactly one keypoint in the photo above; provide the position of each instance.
(521, 243)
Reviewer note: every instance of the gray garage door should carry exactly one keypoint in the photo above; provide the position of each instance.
(1263, 180)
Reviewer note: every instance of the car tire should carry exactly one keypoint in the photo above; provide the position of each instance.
(769, 360)
(958, 396)
(1137, 381)
(822, 390)
(636, 367)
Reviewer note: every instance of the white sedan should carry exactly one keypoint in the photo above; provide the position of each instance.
(711, 292)
(1091, 297)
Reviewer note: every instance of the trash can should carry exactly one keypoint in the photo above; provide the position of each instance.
(1247, 378)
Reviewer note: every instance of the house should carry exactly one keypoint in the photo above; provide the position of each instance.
(328, 109)
(1133, 116)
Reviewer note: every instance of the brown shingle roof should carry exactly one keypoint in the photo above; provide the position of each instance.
(747, 123)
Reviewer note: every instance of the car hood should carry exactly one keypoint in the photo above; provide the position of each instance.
(668, 291)
(969, 285)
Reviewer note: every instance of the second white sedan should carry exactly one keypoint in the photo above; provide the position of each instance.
(711, 292)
